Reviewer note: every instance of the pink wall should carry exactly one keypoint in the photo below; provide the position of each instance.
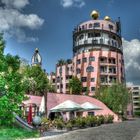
(55, 99)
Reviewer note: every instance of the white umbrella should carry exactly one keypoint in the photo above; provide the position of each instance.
(90, 106)
(66, 106)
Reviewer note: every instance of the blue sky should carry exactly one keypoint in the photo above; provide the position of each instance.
(48, 25)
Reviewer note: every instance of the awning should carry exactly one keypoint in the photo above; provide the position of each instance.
(66, 106)
(89, 106)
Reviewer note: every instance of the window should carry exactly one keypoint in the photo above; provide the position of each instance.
(90, 35)
(90, 69)
(78, 61)
(85, 42)
(81, 37)
(53, 81)
(112, 43)
(58, 79)
(92, 88)
(97, 34)
(78, 71)
(67, 86)
(112, 60)
(67, 68)
(92, 79)
(57, 86)
(92, 58)
(108, 42)
(84, 89)
(84, 59)
(83, 27)
(97, 24)
(94, 41)
(110, 27)
(136, 88)
(61, 86)
(90, 113)
(135, 93)
(84, 79)
(90, 25)
(101, 41)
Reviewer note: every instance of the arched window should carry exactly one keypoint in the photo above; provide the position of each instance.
(90, 69)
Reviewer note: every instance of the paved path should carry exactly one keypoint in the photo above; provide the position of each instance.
(128, 130)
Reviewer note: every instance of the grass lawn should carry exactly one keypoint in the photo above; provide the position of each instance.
(16, 133)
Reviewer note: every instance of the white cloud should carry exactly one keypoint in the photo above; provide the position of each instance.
(70, 3)
(132, 60)
(13, 21)
(15, 3)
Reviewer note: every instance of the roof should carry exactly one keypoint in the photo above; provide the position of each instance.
(33, 100)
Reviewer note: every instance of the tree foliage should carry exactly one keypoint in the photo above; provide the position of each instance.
(116, 97)
(36, 80)
(75, 85)
(11, 87)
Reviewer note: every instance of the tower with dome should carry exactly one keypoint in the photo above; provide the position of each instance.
(36, 58)
(97, 55)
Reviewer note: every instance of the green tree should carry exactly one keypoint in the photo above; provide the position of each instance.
(75, 85)
(36, 80)
(116, 97)
(11, 87)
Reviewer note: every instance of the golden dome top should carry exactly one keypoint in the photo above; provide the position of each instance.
(94, 14)
(107, 18)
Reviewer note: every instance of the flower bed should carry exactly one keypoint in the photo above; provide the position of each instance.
(79, 122)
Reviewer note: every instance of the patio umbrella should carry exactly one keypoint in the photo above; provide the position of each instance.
(66, 106)
(29, 119)
(89, 106)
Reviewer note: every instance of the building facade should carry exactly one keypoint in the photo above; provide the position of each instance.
(135, 92)
(97, 55)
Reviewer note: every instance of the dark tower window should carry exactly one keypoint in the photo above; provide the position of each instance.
(81, 37)
(90, 26)
(94, 41)
(90, 35)
(110, 27)
(97, 34)
(90, 69)
(97, 24)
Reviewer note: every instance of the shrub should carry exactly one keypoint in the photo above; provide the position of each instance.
(110, 118)
(69, 126)
(80, 122)
(59, 123)
(101, 119)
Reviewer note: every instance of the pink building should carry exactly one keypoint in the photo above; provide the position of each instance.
(54, 99)
(97, 55)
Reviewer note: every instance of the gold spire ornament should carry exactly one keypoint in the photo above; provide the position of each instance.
(94, 14)
(107, 18)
